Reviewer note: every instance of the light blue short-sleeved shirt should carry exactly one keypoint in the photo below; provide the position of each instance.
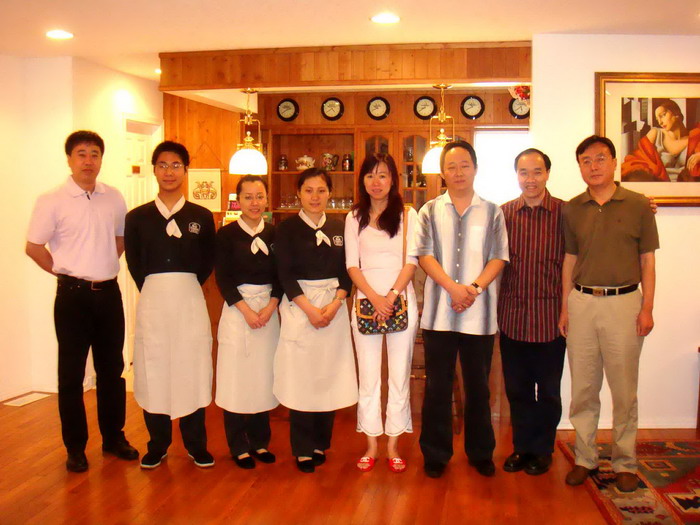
(462, 245)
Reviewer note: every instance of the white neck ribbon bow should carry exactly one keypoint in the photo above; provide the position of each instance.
(259, 245)
(172, 229)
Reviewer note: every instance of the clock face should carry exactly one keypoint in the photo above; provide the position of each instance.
(378, 108)
(332, 108)
(424, 107)
(288, 109)
(518, 108)
(472, 107)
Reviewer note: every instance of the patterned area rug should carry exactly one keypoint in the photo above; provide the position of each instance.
(669, 486)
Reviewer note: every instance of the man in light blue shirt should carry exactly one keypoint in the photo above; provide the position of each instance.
(462, 244)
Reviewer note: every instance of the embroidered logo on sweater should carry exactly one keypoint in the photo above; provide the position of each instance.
(194, 227)
(338, 240)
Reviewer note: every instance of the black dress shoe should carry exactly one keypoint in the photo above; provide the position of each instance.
(306, 465)
(245, 463)
(538, 465)
(434, 470)
(517, 462)
(265, 457)
(485, 467)
(121, 449)
(319, 458)
(76, 462)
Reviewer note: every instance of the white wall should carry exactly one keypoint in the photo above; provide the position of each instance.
(41, 102)
(563, 68)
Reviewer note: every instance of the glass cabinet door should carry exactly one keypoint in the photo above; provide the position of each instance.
(375, 144)
(414, 184)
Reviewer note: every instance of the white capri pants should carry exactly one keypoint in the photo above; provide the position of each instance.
(369, 360)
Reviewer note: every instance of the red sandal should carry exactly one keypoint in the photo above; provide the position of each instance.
(366, 463)
(397, 465)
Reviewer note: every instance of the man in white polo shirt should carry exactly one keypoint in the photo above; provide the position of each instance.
(462, 244)
(82, 221)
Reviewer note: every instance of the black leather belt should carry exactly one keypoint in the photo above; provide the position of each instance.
(82, 283)
(602, 292)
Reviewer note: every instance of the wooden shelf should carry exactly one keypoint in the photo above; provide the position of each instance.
(296, 210)
(297, 172)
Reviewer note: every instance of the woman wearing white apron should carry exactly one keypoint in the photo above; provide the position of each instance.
(170, 253)
(376, 259)
(249, 326)
(314, 366)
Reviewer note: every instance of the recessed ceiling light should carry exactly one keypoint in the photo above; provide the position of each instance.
(385, 18)
(157, 71)
(59, 34)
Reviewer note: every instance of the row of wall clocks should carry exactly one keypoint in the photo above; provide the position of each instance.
(378, 108)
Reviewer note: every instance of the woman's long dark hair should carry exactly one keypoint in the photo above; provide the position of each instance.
(390, 219)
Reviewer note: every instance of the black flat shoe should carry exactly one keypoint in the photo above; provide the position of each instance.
(434, 470)
(306, 465)
(122, 449)
(485, 467)
(76, 462)
(264, 457)
(319, 458)
(245, 463)
(517, 462)
(538, 465)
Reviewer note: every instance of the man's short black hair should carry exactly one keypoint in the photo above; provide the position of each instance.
(84, 137)
(595, 139)
(545, 158)
(457, 144)
(172, 147)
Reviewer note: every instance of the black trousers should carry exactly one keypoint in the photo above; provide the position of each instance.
(475, 352)
(245, 432)
(86, 318)
(309, 431)
(532, 374)
(192, 428)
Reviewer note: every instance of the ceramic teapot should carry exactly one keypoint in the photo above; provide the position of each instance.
(305, 162)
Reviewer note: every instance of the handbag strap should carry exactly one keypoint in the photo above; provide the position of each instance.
(405, 231)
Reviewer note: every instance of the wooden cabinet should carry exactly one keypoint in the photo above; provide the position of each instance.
(312, 143)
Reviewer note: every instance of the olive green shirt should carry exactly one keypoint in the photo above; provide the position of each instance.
(609, 239)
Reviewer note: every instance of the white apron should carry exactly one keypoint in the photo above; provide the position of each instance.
(315, 368)
(172, 346)
(245, 359)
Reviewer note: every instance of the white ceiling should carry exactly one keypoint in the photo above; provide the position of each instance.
(127, 35)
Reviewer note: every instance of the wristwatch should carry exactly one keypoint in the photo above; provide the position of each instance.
(479, 289)
(395, 291)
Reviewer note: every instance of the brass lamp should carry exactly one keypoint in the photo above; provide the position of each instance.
(248, 159)
(431, 160)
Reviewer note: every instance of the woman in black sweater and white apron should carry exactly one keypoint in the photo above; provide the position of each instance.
(314, 364)
(249, 326)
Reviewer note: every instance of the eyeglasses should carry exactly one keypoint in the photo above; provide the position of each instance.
(165, 166)
(600, 159)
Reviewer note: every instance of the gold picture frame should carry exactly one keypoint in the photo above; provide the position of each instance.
(626, 106)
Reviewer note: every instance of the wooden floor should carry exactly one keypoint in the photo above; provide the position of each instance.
(35, 487)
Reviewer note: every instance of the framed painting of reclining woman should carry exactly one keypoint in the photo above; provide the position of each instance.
(654, 121)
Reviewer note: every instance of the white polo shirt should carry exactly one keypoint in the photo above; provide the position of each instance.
(80, 229)
(462, 244)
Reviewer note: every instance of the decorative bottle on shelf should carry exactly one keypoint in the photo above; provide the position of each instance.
(282, 163)
(347, 162)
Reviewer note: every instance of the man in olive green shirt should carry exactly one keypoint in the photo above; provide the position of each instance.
(610, 239)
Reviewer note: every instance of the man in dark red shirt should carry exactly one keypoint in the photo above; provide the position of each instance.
(532, 350)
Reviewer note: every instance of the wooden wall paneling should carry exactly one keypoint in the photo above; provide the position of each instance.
(344, 65)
